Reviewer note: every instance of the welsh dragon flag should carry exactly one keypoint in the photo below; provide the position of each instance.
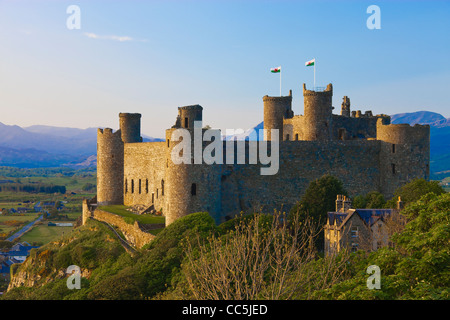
(275, 70)
(310, 62)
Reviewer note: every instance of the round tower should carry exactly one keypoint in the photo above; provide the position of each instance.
(318, 113)
(404, 153)
(109, 167)
(276, 109)
(178, 183)
(189, 114)
(130, 126)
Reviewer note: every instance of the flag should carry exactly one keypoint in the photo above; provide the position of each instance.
(275, 70)
(310, 62)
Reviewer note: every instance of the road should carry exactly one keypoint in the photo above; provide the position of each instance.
(20, 233)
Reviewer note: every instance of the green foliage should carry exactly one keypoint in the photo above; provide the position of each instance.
(414, 190)
(417, 267)
(319, 198)
(372, 200)
(114, 273)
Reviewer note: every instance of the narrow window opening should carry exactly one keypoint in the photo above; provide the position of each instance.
(393, 148)
(140, 186)
(194, 189)
(393, 168)
(186, 123)
(296, 137)
(132, 186)
(146, 185)
(162, 187)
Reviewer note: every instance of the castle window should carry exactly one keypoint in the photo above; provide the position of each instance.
(153, 197)
(194, 189)
(186, 122)
(126, 185)
(341, 134)
(168, 143)
(287, 137)
(393, 168)
(393, 148)
(157, 193)
(140, 186)
(162, 187)
(146, 185)
(296, 136)
(132, 186)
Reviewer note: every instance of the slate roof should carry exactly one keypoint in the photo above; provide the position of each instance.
(369, 216)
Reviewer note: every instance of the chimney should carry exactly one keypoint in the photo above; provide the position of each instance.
(400, 204)
(346, 205)
(339, 203)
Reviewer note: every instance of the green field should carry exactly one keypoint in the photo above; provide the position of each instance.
(42, 234)
(73, 180)
(6, 229)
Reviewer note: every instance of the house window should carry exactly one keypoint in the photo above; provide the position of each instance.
(354, 246)
(194, 189)
(354, 232)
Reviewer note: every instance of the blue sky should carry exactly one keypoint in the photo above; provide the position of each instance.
(154, 56)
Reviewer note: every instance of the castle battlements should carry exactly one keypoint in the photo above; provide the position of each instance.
(364, 151)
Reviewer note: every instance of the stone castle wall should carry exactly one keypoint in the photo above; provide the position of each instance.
(144, 174)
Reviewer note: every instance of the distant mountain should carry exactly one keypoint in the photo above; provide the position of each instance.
(421, 117)
(251, 134)
(48, 146)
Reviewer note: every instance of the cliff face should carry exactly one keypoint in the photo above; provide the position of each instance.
(84, 247)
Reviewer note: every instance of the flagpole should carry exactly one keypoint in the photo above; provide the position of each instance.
(280, 82)
(314, 74)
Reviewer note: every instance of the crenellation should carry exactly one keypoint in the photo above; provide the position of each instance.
(364, 151)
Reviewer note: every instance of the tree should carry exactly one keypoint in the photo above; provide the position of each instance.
(259, 258)
(319, 198)
(372, 200)
(414, 190)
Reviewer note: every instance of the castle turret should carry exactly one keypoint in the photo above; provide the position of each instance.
(109, 167)
(130, 126)
(317, 113)
(405, 153)
(275, 110)
(188, 114)
(345, 107)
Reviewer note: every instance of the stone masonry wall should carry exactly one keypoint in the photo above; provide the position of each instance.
(132, 232)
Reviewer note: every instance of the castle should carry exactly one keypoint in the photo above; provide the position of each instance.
(364, 151)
